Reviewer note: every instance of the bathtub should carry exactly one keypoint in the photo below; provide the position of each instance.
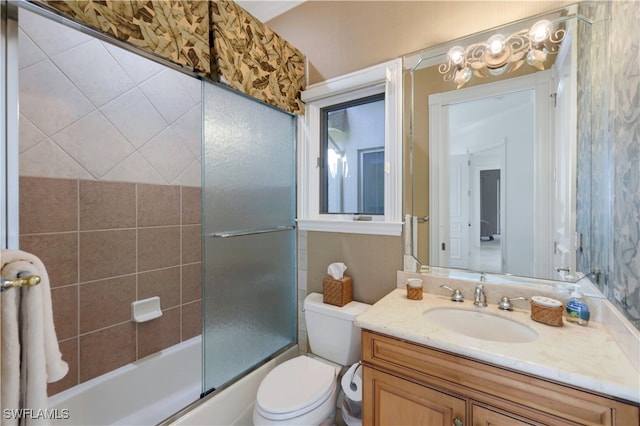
(141, 393)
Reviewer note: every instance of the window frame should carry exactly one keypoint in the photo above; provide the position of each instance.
(383, 78)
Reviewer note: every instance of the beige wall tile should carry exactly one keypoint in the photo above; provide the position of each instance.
(191, 206)
(191, 282)
(64, 301)
(191, 244)
(164, 283)
(107, 205)
(106, 303)
(106, 350)
(48, 205)
(105, 254)
(160, 333)
(58, 252)
(191, 320)
(158, 205)
(158, 247)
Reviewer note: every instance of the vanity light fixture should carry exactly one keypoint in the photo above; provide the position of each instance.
(500, 54)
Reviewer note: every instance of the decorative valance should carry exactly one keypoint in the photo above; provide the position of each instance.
(244, 53)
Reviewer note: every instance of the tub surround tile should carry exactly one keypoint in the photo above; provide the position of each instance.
(48, 159)
(138, 128)
(106, 303)
(94, 143)
(101, 87)
(59, 252)
(134, 168)
(191, 282)
(112, 243)
(158, 247)
(106, 350)
(48, 205)
(160, 333)
(64, 301)
(106, 254)
(107, 205)
(191, 243)
(191, 205)
(164, 283)
(47, 94)
(158, 205)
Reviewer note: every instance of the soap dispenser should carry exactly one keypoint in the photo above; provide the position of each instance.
(577, 310)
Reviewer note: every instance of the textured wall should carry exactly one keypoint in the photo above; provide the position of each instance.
(624, 50)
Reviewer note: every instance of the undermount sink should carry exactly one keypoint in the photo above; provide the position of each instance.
(481, 325)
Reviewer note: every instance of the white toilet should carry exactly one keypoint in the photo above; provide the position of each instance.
(303, 390)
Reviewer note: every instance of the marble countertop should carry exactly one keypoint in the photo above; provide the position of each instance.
(586, 357)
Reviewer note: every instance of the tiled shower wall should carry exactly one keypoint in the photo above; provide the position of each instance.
(106, 245)
(109, 193)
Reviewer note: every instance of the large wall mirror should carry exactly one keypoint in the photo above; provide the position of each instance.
(500, 151)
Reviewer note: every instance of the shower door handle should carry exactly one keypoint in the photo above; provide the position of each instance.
(230, 234)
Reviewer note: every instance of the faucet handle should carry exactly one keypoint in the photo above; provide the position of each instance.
(456, 294)
(505, 302)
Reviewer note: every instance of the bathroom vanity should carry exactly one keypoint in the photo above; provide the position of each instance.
(418, 372)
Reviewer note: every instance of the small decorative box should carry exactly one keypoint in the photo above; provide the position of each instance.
(337, 292)
(546, 310)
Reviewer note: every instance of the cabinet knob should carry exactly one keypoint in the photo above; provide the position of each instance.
(457, 422)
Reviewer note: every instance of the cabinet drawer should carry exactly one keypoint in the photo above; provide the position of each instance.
(490, 384)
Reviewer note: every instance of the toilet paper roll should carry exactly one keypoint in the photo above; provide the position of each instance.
(352, 383)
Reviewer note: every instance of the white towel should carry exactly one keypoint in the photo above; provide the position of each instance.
(31, 357)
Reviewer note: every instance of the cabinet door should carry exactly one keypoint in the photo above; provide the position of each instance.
(395, 401)
(482, 416)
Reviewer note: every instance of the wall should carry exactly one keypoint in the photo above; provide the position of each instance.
(624, 138)
(338, 37)
(109, 194)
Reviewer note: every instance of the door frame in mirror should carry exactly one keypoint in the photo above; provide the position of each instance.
(542, 84)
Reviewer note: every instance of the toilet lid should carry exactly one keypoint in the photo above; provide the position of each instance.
(295, 387)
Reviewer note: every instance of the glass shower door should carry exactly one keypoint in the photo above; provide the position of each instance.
(249, 299)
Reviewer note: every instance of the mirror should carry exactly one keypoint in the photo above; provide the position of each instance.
(495, 176)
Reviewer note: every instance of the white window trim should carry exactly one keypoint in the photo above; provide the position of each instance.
(383, 78)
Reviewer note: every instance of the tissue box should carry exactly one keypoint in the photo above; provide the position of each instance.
(337, 292)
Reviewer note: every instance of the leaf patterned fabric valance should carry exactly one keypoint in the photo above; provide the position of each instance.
(245, 54)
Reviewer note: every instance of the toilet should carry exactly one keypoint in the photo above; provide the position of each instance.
(303, 390)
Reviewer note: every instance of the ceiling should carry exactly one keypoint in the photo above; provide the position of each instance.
(265, 10)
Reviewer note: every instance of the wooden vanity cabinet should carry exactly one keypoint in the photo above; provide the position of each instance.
(410, 384)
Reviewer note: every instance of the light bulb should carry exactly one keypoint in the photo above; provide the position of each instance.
(456, 55)
(540, 31)
(463, 76)
(496, 44)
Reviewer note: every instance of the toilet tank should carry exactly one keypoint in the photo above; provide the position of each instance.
(330, 329)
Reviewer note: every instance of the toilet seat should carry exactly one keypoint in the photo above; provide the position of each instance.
(295, 388)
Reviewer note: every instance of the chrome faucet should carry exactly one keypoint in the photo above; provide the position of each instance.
(479, 298)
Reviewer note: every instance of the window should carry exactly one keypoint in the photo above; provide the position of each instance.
(347, 131)
(350, 153)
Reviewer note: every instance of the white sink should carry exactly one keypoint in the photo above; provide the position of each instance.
(481, 325)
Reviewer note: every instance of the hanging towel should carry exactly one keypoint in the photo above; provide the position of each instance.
(31, 357)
